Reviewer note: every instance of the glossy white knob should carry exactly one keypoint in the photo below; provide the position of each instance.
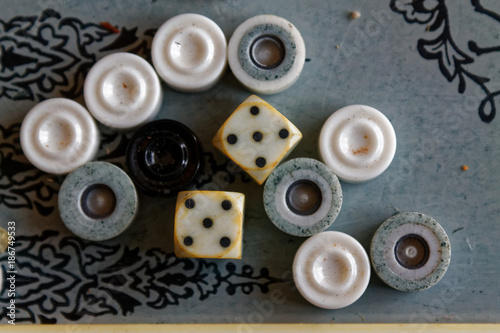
(122, 91)
(58, 135)
(189, 52)
(331, 270)
(358, 143)
(266, 54)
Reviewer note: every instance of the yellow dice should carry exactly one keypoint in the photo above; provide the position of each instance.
(209, 224)
(257, 137)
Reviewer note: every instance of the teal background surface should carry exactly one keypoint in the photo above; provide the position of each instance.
(372, 60)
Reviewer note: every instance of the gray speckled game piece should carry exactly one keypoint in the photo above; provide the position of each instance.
(264, 30)
(283, 177)
(391, 270)
(70, 203)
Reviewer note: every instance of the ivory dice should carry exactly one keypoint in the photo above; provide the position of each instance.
(257, 138)
(209, 224)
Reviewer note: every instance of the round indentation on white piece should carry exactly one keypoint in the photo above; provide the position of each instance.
(189, 52)
(331, 270)
(302, 197)
(97, 201)
(358, 143)
(410, 252)
(58, 135)
(266, 54)
(122, 91)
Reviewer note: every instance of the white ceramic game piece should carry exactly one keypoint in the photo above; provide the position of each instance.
(257, 138)
(331, 270)
(58, 135)
(122, 91)
(97, 201)
(302, 197)
(209, 224)
(189, 52)
(358, 143)
(266, 54)
(410, 252)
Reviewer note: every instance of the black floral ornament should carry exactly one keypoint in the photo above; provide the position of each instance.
(452, 60)
(77, 279)
(46, 53)
(21, 184)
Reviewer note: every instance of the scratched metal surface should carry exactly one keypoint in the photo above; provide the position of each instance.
(424, 68)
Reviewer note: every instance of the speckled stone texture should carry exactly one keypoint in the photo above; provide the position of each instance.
(70, 201)
(263, 30)
(285, 60)
(275, 191)
(379, 252)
